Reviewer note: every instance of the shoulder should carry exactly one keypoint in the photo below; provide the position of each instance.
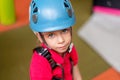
(39, 62)
(40, 68)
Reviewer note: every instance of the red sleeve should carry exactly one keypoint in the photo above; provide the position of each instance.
(40, 68)
(74, 55)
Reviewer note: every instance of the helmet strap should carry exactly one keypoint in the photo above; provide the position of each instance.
(43, 39)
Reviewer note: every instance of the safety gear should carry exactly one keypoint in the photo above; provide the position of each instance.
(51, 15)
(46, 54)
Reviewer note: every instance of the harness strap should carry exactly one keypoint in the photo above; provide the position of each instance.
(45, 53)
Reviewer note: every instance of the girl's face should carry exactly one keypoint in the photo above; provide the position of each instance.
(58, 40)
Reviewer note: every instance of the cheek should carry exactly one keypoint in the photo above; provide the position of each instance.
(50, 42)
(68, 38)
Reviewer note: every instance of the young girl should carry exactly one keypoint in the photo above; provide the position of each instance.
(56, 58)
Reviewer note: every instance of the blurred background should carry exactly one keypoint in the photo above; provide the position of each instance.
(17, 42)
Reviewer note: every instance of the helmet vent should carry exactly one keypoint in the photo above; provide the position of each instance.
(65, 4)
(68, 8)
(34, 18)
(35, 10)
(33, 3)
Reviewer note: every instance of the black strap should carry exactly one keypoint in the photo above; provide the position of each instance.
(45, 53)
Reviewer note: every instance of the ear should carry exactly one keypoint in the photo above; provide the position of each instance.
(39, 37)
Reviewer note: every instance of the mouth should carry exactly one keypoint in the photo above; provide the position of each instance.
(63, 47)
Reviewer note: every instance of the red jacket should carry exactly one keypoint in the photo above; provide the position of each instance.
(40, 68)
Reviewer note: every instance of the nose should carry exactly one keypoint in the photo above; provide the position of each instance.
(61, 39)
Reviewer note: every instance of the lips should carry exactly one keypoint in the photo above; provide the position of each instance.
(63, 47)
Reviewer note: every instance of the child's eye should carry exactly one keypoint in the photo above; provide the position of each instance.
(51, 35)
(64, 30)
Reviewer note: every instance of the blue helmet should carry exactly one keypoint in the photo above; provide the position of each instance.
(51, 15)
